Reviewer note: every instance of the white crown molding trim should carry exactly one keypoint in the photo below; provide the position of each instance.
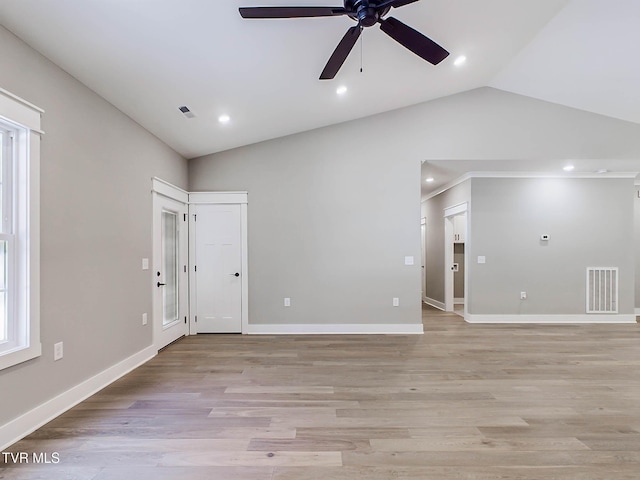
(18, 111)
(566, 175)
(337, 329)
(469, 175)
(555, 319)
(169, 190)
(30, 421)
(456, 209)
(433, 303)
(21, 100)
(218, 197)
(447, 186)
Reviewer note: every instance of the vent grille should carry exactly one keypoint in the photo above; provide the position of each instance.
(186, 112)
(602, 290)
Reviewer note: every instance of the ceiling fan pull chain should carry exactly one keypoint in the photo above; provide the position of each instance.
(361, 40)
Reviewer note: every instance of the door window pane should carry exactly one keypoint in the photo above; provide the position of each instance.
(170, 267)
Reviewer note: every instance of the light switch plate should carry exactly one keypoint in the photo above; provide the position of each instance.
(145, 264)
(482, 259)
(396, 302)
(287, 302)
(408, 260)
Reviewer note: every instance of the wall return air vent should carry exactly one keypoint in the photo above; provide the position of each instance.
(602, 290)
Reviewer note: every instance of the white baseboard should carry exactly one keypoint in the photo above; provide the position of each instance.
(591, 318)
(338, 329)
(458, 301)
(27, 423)
(433, 303)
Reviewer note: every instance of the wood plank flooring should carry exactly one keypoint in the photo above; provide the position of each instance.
(472, 402)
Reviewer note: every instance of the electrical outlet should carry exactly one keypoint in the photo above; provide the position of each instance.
(144, 319)
(396, 302)
(58, 351)
(523, 295)
(287, 302)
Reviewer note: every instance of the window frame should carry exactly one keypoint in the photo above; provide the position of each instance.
(21, 186)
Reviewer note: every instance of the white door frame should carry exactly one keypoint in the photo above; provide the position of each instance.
(449, 213)
(423, 248)
(219, 198)
(162, 190)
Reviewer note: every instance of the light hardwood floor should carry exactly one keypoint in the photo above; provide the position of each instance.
(459, 402)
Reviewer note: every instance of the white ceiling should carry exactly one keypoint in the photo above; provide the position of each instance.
(148, 57)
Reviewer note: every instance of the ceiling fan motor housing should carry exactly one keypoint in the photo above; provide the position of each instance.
(363, 12)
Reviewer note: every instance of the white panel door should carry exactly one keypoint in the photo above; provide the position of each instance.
(218, 268)
(170, 277)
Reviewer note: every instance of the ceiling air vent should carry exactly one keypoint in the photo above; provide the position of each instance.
(186, 112)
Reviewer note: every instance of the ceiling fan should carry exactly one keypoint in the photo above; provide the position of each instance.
(367, 13)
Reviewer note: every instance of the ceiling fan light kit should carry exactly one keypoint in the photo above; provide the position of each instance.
(366, 13)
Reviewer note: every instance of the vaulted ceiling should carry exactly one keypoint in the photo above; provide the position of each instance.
(149, 57)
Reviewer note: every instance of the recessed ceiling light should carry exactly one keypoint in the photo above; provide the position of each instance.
(429, 179)
(460, 61)
(224, 118)
(341, 90)
(568, 168)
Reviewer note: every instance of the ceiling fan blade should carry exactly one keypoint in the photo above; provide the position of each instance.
(341, 53)
(394, 3)
(290, 12)
(413, 40)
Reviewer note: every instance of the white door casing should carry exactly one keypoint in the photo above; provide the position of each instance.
(218, 262)
(449, 231)
(170, 259)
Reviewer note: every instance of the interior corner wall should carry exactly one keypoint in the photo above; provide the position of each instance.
(590, 223)
(96, 207)
(433, 211)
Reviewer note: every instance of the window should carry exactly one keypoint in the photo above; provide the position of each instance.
(19, 230)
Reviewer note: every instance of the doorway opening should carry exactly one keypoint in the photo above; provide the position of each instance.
(455, 254)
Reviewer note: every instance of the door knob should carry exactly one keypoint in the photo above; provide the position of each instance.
(235, 274)
(161, 284)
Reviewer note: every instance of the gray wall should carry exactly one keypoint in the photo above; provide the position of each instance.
(332, 213)
(96, 166)
(590, 223)
(433, 211)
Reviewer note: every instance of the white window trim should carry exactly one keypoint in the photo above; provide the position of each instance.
(25, 117)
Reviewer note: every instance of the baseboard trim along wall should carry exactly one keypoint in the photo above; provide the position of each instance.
(433, 303)
(620, 318)
(27, 423)
(327, 329)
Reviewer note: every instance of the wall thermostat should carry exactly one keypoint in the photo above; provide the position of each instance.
(544, 238)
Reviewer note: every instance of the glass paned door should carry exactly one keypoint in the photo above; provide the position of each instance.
(170, 277)
(170, 265)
